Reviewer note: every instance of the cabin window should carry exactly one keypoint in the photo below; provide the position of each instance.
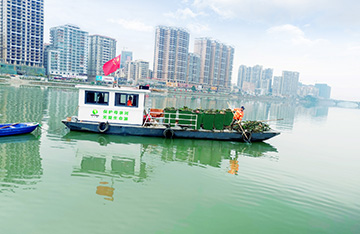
(97, 98)
(125, 99)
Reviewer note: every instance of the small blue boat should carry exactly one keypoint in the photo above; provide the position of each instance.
(10, 129)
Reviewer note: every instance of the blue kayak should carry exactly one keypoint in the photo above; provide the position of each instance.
(10, 129)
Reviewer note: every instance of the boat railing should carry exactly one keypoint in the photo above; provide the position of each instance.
(159, 117)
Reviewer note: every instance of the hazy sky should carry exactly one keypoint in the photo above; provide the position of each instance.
(320, 39)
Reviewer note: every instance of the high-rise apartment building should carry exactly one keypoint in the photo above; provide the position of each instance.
(45, 56)
(324, 90)
(307, 90)
(267, 74)
(129, 71)
(193, 69)
(126, 56)
(137, 70)
(242, 76)
(265, 82)
(256, 79)
(101, 50)
(256, 73)
(203, 49)
(216, 62)
(68, 52)
(290, 82)
(21, 37)
(276, 86)
(142, 69)
(171, 54)
(228, 51)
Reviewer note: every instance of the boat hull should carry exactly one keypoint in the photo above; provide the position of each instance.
(17, 128)
(163, 131)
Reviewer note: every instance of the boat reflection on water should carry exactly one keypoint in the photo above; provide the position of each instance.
(112, 160)
(122, 155)
(234, 167)
(204, 152)
(117, 158)
(104, 190)
(18, 138)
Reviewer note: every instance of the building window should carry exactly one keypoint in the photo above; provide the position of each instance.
(97, 98)
(125, 99)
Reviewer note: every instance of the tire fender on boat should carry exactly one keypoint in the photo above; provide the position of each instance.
(168, 133)
(246, 137)
(103, 127)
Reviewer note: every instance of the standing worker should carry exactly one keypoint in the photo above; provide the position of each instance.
(129, 102)
(238, 115)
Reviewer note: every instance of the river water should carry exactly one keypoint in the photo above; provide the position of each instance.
(306, 180)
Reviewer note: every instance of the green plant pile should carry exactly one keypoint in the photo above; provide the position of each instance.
(255, 126)
(185, 108)
(250, 126)
(169, 109)
(198, 110)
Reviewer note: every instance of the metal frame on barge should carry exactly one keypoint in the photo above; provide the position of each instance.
(106, 110)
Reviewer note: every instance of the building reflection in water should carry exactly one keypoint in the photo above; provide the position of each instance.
(115, 158)
(286, 110)
(20, 162)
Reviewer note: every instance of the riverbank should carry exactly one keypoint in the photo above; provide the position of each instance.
(17, 81)
(195, 94)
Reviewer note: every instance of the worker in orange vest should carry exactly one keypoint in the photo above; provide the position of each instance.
(129, 102)
(238, 115)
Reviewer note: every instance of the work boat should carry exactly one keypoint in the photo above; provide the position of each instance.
(122, 111)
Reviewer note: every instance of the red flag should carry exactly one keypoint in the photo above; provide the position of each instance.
(111, 65)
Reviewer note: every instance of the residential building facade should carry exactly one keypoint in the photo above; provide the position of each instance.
(69, 44)
(276, 85)
(242, 76)
(256, 73)
(126, 56)
(265, 82)
(171, 55)
(193, 69)
(257, 80)
(136, 70)
(21, 37)
(307, 90)
(324, 90)
(290, 82)
(142, 70)
(203, 49)
(101, 50)
(216, 62)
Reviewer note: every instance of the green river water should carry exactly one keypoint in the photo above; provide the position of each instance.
(306, 180)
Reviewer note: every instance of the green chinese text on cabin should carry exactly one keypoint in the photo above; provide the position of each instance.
(115, 112)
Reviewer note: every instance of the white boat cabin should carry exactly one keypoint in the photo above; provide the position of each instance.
(113, 105)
